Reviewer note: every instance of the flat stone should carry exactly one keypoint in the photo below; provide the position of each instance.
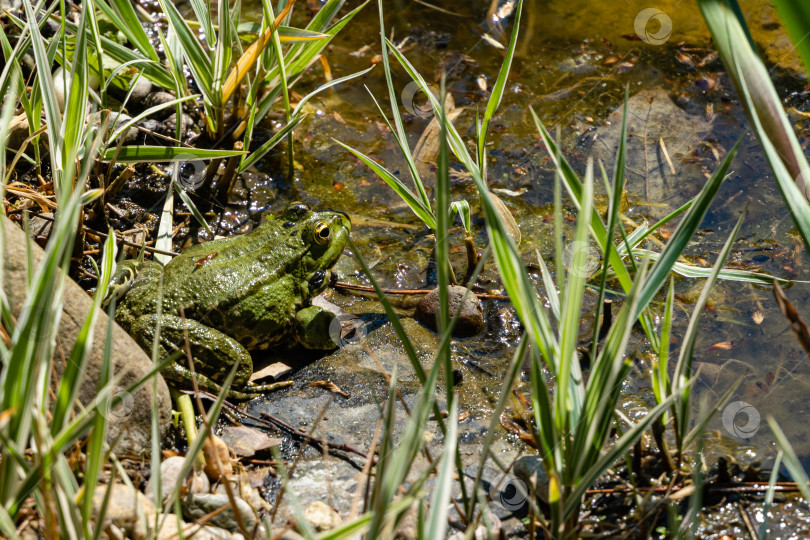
(274, 371)
(169, 529)
(245, 441)
(197, 505)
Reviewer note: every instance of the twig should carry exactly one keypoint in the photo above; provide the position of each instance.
(747, 520)
(666, 155)
(268, 419)
(718, 489)
(366, 288)
(105, 235)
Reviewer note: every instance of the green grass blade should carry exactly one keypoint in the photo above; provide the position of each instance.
(325, 86)
(76, 100)
(726, 274)
(123, 16)
(498, 88)
(415, 203)
(763, 107)
(795, 15)
(571, 304)
(615, 198)
(660, 368)
(147, 154)
(48, 91)
(260, 152)
(200, 8)
(198, 61)
(684, 232)
(683, 368)
(791, 460)
(436, 526)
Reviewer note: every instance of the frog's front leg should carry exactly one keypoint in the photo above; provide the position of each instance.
(214, 355)
(312, 328)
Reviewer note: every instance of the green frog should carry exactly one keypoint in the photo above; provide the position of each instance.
(234, 295)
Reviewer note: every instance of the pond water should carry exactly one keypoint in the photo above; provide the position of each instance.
(574, 60)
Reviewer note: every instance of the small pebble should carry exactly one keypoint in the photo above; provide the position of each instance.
(470, 320)
(170, 470)
(322, 516)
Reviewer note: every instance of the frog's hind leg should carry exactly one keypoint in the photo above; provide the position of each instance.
(214, 355)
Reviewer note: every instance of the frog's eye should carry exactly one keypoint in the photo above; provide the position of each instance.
(323, 234)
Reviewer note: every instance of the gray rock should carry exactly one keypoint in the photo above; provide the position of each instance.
(10, 5)
(470, 320)
(142, 90)
(132, 419)
(168, 126)
(19, 130)
(128, 509)
(170, 470)
(39, 227)
(159, 98)
(197, 505)
(169, 529)
(530, 469)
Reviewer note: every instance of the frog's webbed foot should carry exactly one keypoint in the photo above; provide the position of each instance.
(214, 355)
(312, 328)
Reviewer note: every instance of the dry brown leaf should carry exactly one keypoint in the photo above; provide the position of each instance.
(217, 458)
(328, 385)
(511, 225)
(798, 326)
(721, 346)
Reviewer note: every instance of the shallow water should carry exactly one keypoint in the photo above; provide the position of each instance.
(574, 61)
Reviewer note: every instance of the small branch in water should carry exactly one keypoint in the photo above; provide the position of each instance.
(120, 241)
(368, 288)
(268, 419)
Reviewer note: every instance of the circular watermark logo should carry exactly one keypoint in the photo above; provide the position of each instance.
(191, 172)
(645, 26)
(117, 405)
(741, 419)
(510, 493)
(581, 259)
(347, 329)
(416, 102)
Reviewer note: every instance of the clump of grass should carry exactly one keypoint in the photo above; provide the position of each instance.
(574, 417)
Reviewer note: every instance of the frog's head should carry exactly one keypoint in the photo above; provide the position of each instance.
(325, 233)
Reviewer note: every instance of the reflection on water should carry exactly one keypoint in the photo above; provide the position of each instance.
(575, 59)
